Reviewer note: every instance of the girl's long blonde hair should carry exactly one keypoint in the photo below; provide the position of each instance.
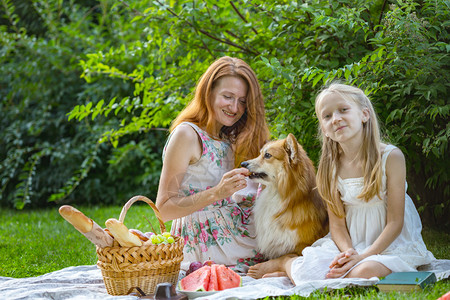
(248, 134)
(369, 153)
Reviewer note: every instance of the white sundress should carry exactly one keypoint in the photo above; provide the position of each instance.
(365, 222)
(223, 231)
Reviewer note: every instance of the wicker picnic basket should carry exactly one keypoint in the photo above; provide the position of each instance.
(126, 267)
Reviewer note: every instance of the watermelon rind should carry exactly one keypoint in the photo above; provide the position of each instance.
(197, 281)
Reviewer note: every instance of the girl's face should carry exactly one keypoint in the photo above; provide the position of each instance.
(229, 100)
(340, 119)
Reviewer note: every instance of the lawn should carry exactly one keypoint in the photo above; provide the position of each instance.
(36, 242)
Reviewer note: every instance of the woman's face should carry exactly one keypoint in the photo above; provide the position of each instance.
(229, 100)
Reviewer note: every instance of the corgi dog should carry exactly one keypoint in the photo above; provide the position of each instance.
(289, 213)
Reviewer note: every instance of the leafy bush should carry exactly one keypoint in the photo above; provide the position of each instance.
(43, 156)
(141, 60)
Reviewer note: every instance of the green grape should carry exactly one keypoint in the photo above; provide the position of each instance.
(155, 240)
(166, 234)
(170, 240)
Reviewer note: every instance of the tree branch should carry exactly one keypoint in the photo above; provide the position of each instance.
(135, 10)
(228, 42)
(207, 48)
(381, 13)
(241, 16)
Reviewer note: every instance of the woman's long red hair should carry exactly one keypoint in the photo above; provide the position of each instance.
(248, 134)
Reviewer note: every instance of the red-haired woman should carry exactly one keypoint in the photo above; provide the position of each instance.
(222, 126)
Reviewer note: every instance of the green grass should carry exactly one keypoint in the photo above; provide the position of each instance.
(431, 293)
(36, 242)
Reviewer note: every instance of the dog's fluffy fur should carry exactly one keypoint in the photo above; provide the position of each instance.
(289, 213)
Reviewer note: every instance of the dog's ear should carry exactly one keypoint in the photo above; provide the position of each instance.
(291, 147)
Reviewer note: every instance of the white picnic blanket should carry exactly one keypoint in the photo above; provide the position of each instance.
(85, 282)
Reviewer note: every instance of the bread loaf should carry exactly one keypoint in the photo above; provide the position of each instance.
(122, 234)
(91, 230)
(75, 217)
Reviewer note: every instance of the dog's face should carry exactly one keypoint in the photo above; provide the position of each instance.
(272, 161)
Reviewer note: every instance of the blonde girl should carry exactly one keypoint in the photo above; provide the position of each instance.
(374, 227)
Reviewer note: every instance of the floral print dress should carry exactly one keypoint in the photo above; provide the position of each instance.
(223, 231)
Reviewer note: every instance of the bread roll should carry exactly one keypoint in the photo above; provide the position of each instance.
(108, 232)
(122, 234)
(91, 230)
(139, 234)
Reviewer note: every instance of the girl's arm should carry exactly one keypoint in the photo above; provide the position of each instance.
(339, 231)
(340, 236)
(184, 148)
(396, 178)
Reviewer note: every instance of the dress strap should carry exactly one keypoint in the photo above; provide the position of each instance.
(201, 134)
(385, 155)
(195, 127)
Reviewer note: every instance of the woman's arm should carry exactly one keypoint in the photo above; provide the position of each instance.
(184, 148)
(395, 210)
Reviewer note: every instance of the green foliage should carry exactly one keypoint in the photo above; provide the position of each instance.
(137, 62)
(43, 157)
(413, 102)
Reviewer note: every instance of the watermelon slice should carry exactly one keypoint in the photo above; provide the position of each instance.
(196, 281)
(213, 283)
(227, 278)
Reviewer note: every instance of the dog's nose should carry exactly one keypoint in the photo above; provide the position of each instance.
(244, 164)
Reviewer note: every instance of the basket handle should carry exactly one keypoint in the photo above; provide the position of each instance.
(130, 202)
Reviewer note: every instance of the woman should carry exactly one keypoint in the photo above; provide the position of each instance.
(222, 126)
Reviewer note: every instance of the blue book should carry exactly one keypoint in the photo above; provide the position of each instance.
(406, 281)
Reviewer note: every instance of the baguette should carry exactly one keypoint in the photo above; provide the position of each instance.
(86, 226)
(122, 234)
(75, 217)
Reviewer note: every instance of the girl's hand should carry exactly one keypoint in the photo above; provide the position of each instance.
(343, 262)
(231, 182)
(342, 257)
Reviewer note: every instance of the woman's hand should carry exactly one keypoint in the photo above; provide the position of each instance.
(343, 262)
(231, 182)
(183, 149)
